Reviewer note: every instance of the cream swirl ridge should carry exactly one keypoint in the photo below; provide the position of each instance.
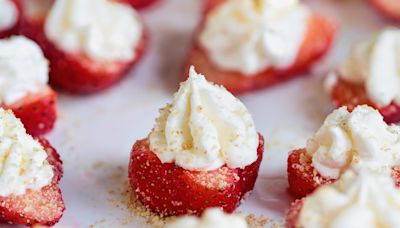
(356, 200)
(23, 163)
(358, 140)
(251, 36)
(204, 128)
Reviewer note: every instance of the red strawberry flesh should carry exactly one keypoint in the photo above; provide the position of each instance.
(38, 112)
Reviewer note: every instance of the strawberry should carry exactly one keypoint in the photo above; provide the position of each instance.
(15, 28)
(138, 4)
(38, 112)
(44, 207)
(304, 179)
(167, 189)
(208, 5)
(316, 44)
(389, 8)
(352, 95)
(292, 215)
(77, 73)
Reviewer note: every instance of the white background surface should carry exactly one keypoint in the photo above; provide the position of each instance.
(94, 134)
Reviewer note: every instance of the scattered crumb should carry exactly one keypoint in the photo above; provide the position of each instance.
(138, 210)
(122, 197)
(257, 221)
(98, 224)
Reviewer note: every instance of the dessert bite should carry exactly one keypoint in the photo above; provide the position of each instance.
(361, 199)
(30, 171)
(9, 17)
(211, 218)
(358, 140)
(370, 76)
(138, 4)
(90, 44)
(247, 45)
(23, 85)
(204, 151)
(389, 8)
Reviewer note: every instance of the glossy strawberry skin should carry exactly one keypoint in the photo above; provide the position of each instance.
(139, 4)
(44, 207)
(167, 189)
(76, 73)
(38, 112)
(389, 8)
(352, 95)
(304, 179)
(319, 38)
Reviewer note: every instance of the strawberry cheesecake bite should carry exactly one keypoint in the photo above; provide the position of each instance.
(23, 85)
(370, 76)
(211, 218)
(204, 151)
(358, 140)
(389, 8)
(90, 44)
(9, 18)
(362, 199)
(247, 45)
(30, 171)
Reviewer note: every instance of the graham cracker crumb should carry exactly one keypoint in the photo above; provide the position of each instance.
(138, 210)
(257, 221)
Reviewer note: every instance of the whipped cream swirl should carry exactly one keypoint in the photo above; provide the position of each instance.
(204, 128)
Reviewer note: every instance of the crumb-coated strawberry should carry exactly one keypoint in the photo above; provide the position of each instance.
(44, 207)
(167, 189)
(304, 178)
(38, 112)
(389, 8)
(138, 4)
(77, 73)
(292, 215)
(317, 42)
(352, 95)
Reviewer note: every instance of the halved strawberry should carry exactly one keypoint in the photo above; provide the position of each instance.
(15, 28)
(317, 42)
(351, 95)
(138, 4)
(389, 8)
(44, 207)
(304, 178)
(38, 112)
(292, 215)
(77, 73)
(167, 189)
